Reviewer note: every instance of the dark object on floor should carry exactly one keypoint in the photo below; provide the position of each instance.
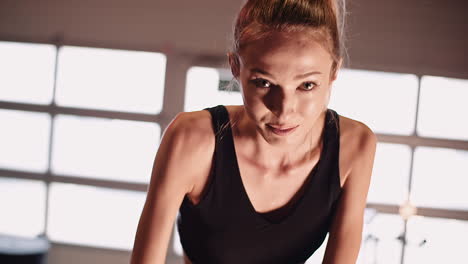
(21, 250)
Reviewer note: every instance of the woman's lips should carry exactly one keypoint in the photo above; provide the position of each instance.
(281, 130)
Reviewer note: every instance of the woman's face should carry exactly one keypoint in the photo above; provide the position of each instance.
(285, 82)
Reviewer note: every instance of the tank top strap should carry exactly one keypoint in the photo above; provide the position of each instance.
(220, 121)
(332, 157)
(333, 124)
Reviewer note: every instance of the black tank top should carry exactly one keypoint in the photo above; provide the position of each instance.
(224, 228)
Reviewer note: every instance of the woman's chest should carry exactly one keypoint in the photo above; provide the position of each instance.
(271, 189)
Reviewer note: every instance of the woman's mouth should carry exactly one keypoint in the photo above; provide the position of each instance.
(281, 131)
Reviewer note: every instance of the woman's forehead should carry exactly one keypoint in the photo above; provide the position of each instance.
(279, 52)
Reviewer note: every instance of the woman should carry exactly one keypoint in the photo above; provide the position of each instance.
(265, 182)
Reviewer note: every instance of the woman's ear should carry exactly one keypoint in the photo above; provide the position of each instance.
(234, 63)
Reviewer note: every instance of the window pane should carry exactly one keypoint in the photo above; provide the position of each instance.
(27, 72)
(120, 80)
(379, 240)
(386, 102)
(104, 148)
(446, 240)
(389, 182)
(205, 88)
(380, 243)
(443, 108)
(94, 216)
(369, 251)
(22, 207)
(440, 178)
(24, 140)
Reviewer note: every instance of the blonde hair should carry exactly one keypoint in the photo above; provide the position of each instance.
(323, 18)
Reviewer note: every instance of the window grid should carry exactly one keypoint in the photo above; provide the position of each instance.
(52, 109)
(48, 177)
(410, 178)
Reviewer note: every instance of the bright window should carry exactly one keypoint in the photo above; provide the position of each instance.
(27, 72)
(119, 80)
(436, 240)
(440, 178)
(22, 207)
(206, 87)
(386, 102)
(390, 176)
(443, 108)
(93, 216)
(24, 140)
(380, 243)
(104, 148)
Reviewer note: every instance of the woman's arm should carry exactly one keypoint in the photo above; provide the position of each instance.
(182, 156)
(346, 229)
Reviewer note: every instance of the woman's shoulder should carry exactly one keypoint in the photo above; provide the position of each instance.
(194, 128)
(196, 144)
(351, 128)
(355, 139)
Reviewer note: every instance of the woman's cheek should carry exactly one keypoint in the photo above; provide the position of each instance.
(251, 97)
(309, 107)
(255, 107)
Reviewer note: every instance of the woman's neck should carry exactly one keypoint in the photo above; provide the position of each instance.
(291, 152)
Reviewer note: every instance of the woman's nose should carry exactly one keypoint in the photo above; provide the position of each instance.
(282, 103)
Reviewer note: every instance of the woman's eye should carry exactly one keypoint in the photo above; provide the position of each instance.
(308, 86)
(262, 83)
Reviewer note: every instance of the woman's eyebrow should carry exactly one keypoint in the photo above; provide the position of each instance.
(258, 70)
(300, 76)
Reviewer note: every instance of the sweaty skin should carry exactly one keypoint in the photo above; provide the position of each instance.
(286, 81)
